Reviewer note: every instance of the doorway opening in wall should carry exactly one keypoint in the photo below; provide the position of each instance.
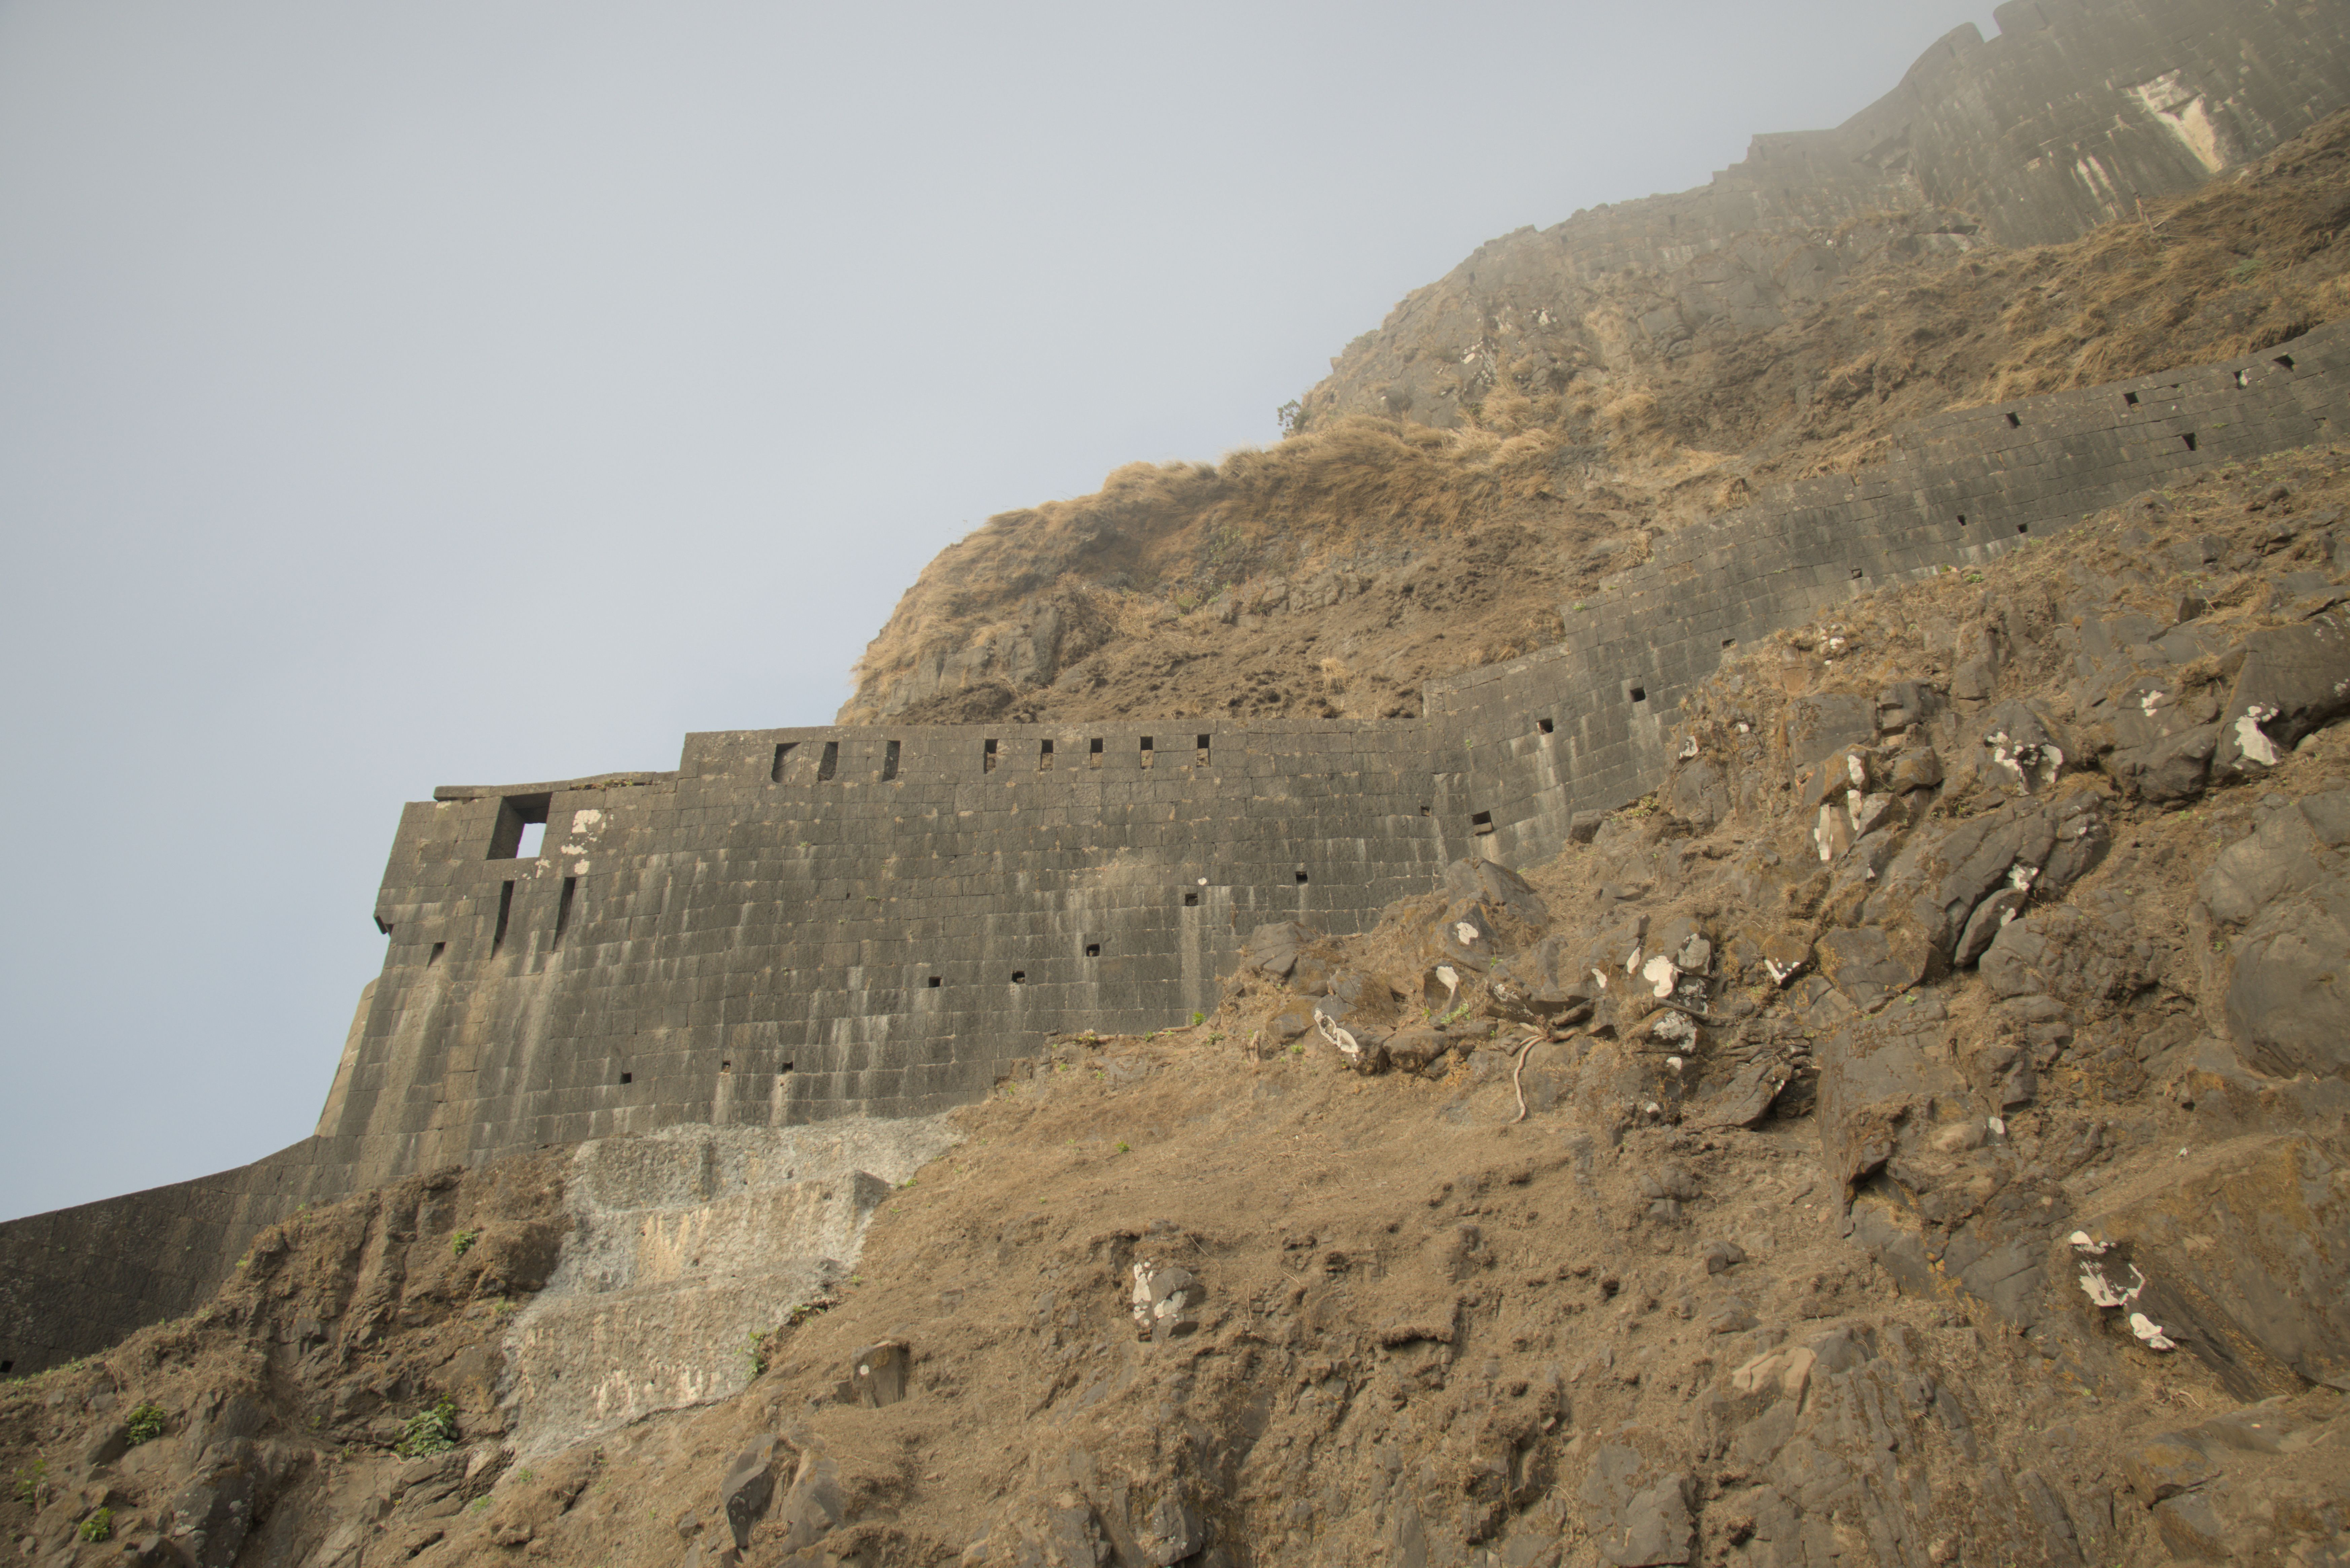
(2014, 422)
(2283, 361)
(830, 764)
(1044, 756)
(2189, 438)
(628, 1078)
(563, 909)
(434, 956)
(1480, 823)
(1146, 750)
(505, 913)
(987, 757)
(520, 830)
(1019, 977)
(888, 762)
(1544, 725)
(784, 750)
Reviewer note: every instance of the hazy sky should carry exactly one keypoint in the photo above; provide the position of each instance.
(399, 395)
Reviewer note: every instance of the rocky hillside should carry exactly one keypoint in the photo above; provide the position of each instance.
(1916, 1135)
(1519, 430)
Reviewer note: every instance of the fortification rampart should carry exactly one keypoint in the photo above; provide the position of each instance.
(803, 923)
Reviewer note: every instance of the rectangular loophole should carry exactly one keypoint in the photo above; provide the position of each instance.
(1200, 752)
(1546, 726)
(1856, 574)
(2130, 399)
(518, 815)
(1729, 642)
(2283, 361)
(1190, 900)
(1480, 823)
(934, 983)
(434, 956)
(1302, 878)
(1044, 756)
(1093, 949)
(784, 750)
(830, 764)
(783, 1068)
(1019, 977)
(987, 757)
(2189, 439)
(1094, 752)
(563, 909)
(1147, 753)
(2014, 422)
(1426, 810)
(888, 762)
(505, 913)
(1639, 694)
(628, 1078)
(725, 1067)
(2023, 527)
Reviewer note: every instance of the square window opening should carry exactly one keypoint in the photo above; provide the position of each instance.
(783, 1069)
(1856, 574)
(1190, 900)
(2023, 527)
(1639, 694)
(1093, 949)
(784, 750)
(434, 956)
(1019, 977)
(1302, 878)
(2014, 422)
(726, 1066)
(1480, 823)
(2283, 361)
(628, 1078)
(1426, 810)
(890, 762)
(830, 764)
(1546, 726)
(934, 983)
(2189, 439)
(2130, 399)
(505, 914)
(517, 814)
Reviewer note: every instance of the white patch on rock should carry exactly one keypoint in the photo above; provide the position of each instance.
(1466, 933)
(1781, 973)
(1337, 1035)
(2149, 702)
(1452, 978)
(2082, 1241)
(2256, 746)
(1856, 770)
(2150, 1332)
(1601, 976)
(1663, 974)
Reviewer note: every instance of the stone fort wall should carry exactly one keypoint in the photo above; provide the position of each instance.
(803, 923)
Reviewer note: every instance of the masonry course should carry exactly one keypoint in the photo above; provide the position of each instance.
(806, 923)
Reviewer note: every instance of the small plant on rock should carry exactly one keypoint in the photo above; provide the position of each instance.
(98, 1526)
(463, 1242)
(145, 1425)
(428, 1431)
(28, 1482)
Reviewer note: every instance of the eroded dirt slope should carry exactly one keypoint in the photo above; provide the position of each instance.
(1517, 429)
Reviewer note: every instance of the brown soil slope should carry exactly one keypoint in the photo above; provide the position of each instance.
(1916, 1136)
(1336, 573)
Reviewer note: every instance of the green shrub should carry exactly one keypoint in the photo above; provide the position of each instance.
(98, 1526)
(463, 1242)
(28, 1482)
(147, 1424)
(428, 1431)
